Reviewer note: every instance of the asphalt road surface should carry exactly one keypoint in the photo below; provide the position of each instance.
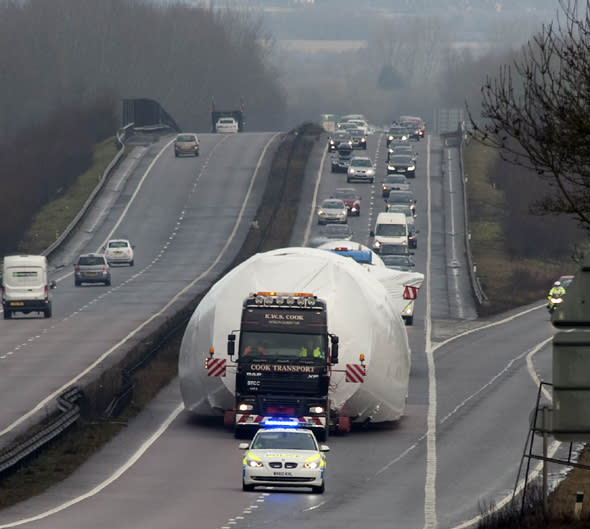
(473, 384)
(186, 217)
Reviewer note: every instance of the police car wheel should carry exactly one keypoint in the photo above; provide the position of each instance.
(320, 489)
(247, 488)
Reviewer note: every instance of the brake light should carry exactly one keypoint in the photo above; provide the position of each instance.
(3, 293)
(46, 291)
(77, 268)
(104, 268)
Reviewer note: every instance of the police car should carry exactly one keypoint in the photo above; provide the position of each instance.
(284, 457)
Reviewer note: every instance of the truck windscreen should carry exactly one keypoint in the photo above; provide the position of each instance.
(282, 345)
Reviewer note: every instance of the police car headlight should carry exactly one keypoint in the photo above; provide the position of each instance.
(245, 407)
(253, 463)
(311, 464)
(316, 409)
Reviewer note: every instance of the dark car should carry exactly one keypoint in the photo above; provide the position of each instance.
(340, 137)
(401, 148)
(397, 133)
(359, 139)
(413, 129)
(402, 163)
(394, 249)
(412, 235)
(332, 232)
(405, 198)
(92, 268)
(403, 263)
(350, 197)
(341, 159)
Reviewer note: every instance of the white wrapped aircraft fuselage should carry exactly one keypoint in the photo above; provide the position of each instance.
(361, 312)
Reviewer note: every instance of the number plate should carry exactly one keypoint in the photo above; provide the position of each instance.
(282, 474)
(17, 303)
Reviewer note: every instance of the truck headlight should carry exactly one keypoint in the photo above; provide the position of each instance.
(245, 407)
(316, 409)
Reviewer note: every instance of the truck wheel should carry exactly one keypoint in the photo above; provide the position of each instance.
(240, 433)
(322, 435)
(248, 488)
(343, 424)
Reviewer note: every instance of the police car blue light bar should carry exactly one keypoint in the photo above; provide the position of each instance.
(285, 423)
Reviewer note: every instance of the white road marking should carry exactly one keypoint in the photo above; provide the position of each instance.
(116, 475)
(146, 322)
(430, 519)
(314, 200)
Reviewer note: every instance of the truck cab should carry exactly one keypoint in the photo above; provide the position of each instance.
(283, 362)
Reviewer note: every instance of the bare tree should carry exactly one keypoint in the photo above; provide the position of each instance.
(536, 112)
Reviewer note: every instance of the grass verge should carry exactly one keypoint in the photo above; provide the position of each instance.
(56, 216)
(506, 282)
(73, 448)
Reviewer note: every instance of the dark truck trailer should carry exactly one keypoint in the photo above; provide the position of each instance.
(238, 115)
(283, 363)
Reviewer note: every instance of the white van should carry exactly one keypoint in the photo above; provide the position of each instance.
(25, 287)
(390, 228)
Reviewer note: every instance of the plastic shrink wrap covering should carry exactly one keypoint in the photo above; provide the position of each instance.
(361, 312)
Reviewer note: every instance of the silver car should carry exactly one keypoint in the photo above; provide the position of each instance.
(361, 168)
(332, 210)
(92, 268)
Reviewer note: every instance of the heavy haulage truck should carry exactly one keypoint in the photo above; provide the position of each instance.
(282, 349)
(283, 363)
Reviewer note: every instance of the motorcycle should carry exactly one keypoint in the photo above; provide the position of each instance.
(554, 302)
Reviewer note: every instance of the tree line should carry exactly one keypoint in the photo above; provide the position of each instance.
(66, 65)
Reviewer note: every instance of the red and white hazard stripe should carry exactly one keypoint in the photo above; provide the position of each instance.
(216, 367)
(248, 418)
(253, 419)
(410, 292)
(355, 373)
